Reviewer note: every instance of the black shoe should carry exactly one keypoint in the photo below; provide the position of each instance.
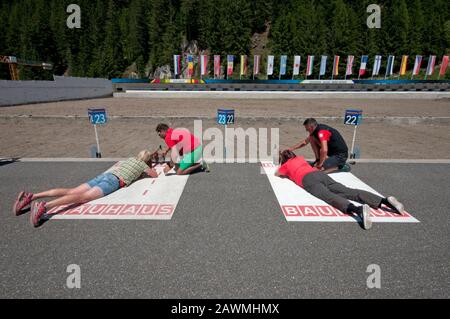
(345, 168)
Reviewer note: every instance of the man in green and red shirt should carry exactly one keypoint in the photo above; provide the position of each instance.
(181, 142)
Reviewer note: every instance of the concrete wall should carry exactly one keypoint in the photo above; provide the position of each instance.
(410, 87)
(63, 88)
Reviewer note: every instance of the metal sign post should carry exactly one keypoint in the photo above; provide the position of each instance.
(99, 152)
(225, 118)
(353, 117)
(97, 117)
(353, 142)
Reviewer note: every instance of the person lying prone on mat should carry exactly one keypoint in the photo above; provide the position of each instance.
(121, 175)
(322, 186)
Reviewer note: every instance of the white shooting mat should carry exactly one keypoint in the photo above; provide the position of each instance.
(298, 205)
(148, 198)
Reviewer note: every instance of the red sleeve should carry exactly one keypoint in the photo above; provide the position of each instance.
(283, 170)
(324, 135)
(170, 141)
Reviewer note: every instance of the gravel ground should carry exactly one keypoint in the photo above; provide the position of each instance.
(30, 130)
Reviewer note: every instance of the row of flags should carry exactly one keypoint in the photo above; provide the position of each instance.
(204, 59)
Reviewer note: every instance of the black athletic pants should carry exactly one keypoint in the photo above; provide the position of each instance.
(335, 194)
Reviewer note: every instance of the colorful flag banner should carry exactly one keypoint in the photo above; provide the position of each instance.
(230, 64)
(176, 64)
(244, 60)
(376, 65)
(431, 65)
(444, 66)
(350, 61)
(404, 65)
(283, 65)
(417, 65)
(364, 61)
(336, 65)
(310, 65)
(190, 60)
(390, 66)
(297, 62)
(323, 65)
(203, 65)
(270, 63)
(217, 65)
(256, 64)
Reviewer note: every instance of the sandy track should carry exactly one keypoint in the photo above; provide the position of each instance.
(121, 138)
(73, 137)
(245, 108)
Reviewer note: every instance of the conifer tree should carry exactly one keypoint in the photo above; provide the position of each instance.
(118, 33)
(112, 49)
(398, 28)
(417, 27)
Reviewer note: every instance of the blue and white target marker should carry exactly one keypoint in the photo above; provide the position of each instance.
(225, 118)
(353, 117)
(97, 117)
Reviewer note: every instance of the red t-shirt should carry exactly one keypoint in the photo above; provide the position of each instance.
(183, 139)
(296, 169)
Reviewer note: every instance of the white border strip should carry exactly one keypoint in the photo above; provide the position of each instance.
(103, 217)
(282, 94)
(402, 161)
(406, 220)
(144, 92)
(294, 118)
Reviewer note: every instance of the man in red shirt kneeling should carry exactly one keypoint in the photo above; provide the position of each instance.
(185, 145)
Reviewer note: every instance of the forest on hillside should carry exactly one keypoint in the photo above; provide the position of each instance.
(145, 34)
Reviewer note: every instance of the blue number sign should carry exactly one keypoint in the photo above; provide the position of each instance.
(225, 117)
(97, 116)
(353, 117)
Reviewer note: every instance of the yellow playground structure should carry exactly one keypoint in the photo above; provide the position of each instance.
(13, 62)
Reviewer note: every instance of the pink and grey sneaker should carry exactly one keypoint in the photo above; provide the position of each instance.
(23, 200)
(37, 211)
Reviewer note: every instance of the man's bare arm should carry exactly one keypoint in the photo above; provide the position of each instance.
(150, 172)
(323, 154)
(300, 145)
(166, 151)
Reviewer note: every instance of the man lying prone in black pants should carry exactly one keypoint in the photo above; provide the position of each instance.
(333, 193)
